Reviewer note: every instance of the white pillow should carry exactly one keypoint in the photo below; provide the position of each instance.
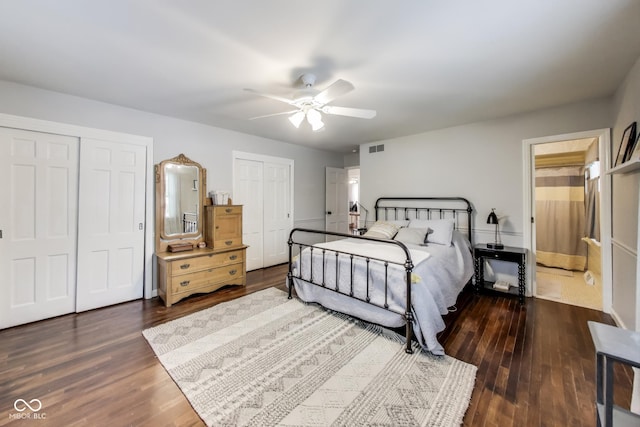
(382, 230)
(441, 230)
(414, 236)
(399, 222)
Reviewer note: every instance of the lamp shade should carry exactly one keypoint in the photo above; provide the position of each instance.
(315, 120)
(493, 218)
(297, 118)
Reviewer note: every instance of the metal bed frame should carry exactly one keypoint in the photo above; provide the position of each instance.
(386, 208)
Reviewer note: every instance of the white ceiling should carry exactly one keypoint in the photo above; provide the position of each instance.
(422, 64)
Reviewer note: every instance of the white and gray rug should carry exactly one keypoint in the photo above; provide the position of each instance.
(264, 360)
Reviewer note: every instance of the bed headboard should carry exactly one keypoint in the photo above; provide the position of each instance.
(398, 208)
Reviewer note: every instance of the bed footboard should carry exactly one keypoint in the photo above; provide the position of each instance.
(329, 255)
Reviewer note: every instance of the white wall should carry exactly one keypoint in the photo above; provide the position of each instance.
(481, 162)
(626, 188)
(207, 145)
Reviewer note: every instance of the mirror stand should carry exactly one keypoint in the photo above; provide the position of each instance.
(181, 219)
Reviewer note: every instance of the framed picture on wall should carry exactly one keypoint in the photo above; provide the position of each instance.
(626, 145)
(635, 155)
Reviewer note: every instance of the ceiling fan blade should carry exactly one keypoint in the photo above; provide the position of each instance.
(267, 95)
(338, 88)
(349, 112)
(274, 114)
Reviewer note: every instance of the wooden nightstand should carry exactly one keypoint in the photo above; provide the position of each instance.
(508, 254)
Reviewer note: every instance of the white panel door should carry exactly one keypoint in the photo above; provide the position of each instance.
(111, 223)
(337, 200)
(248, 191)
(277, 213)
(39, 175)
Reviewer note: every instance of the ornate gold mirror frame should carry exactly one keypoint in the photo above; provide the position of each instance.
(180, 195)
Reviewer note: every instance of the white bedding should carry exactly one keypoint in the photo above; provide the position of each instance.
(440, 272)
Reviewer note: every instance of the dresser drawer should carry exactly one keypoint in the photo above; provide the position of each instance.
(228, 243)
(228, 274)
(190, 265)
(228, 210)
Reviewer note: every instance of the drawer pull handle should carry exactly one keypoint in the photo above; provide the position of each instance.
(185, 266)
(184, 283)
(232, 257)
(233, 272)
(228, 242)
(228, 210)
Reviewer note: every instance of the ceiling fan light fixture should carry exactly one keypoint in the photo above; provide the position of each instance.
(311, 103)
(296, 119)
(315, 120)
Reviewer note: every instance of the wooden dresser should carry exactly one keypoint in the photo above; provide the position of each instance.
(199, 271)
(222, 262)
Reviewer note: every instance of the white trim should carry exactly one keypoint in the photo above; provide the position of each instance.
(28, 123)
(617, 319)
(604, 145)
(628, 249)
(310, 222)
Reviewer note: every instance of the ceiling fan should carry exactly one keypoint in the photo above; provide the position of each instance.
(310, 103)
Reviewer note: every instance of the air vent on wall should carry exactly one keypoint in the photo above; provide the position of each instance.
(376, 148)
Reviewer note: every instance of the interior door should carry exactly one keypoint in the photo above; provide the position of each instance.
(248, 191)
(277, 213)
(111, 223)
(337, 200)
(38, 219)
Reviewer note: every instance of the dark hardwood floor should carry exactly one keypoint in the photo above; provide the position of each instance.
(535, 362)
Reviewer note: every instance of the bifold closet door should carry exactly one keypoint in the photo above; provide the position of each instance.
(264, 189)
(38, 219)
(111, 223)
(277, 213)
(249, 192)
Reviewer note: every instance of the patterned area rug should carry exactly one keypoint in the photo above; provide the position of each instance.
(265, 360)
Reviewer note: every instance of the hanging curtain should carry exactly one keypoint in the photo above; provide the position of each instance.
(560, 217)
(592, 205)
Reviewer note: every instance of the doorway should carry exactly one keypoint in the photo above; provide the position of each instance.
(567, 199)
(568, 195)
(357, 215)
(336, 200)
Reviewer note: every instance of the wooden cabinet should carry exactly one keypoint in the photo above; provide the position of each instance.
(222, 262)
(223, 226)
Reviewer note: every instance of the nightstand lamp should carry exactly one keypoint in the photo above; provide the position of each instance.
(363, 229)
(493, 219)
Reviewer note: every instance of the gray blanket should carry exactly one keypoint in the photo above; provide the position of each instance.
(440, 272)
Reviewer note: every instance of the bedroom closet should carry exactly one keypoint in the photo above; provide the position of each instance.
(73, 229)
(567, 226)
(264, 186)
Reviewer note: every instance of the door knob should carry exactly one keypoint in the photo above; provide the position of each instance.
(328, 212)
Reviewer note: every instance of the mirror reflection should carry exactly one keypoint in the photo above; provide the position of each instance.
(181, 199)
